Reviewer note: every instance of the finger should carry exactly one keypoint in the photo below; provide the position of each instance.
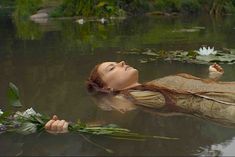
(54, 125)
(48, 124)
(55, 117)
(65, 127)
(219, 68)
(60, 125)
(212, 69)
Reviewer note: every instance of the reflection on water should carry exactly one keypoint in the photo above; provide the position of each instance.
(49, 63)
(27, 30)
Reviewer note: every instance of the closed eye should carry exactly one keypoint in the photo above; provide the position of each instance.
(111, 68)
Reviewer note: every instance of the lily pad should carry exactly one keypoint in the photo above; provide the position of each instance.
(183, 56)
(198, 27)
(143, 61)
(149, 53)
(187, 30)
(232, 51)
(226, 58)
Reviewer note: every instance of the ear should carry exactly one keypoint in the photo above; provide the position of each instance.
(105, 90)
(111, 89)
(108, 89)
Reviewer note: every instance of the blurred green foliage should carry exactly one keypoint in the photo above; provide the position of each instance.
(87, 8)
(25, 8)
(106, 8)
(7, 3)
(135, 7)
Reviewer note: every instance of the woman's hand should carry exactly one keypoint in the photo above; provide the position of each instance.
(56, 126)
(216, 68)
(215, 71)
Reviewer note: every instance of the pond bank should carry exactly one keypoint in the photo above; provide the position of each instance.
(42, 15)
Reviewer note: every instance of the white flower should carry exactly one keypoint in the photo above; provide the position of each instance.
(206, 51)
(18, 114)
(1, 112)
(30, 112)
(111, 17)
(26, 114)
(80, 21)
(103, 20)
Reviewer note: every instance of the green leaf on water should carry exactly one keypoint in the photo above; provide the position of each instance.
(13, 96)
(232, 51)
(226, 58)
(112, 126)
(192, 54)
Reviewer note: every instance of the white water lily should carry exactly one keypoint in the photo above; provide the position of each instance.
(103, 20)
(1, 112)
(80, 21)
(206, 51)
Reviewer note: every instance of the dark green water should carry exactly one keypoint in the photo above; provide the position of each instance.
(49, 63)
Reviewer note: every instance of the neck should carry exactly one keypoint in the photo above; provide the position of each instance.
(132, 85)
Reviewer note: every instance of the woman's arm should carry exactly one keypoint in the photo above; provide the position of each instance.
(215, 71)
(56, 126)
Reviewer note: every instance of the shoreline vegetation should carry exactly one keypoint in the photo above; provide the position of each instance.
(96, 9)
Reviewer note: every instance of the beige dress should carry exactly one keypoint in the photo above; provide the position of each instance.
(209, 99)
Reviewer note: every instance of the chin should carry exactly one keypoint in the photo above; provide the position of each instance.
(133, 69)
(136, 71)
(134, 74)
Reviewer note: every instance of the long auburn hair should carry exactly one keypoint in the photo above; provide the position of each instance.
(94, 83)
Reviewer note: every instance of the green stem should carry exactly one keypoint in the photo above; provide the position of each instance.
(97, 145)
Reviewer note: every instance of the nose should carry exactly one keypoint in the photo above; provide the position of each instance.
(122, 63)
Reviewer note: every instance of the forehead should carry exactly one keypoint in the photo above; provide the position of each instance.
(104, 65)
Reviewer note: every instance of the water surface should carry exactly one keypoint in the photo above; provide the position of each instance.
(49, 63)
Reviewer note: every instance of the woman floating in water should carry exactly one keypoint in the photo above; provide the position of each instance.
(182, 93)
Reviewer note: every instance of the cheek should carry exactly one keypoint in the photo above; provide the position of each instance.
(115, 77)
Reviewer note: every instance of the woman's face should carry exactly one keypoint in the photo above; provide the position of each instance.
(118, 75)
